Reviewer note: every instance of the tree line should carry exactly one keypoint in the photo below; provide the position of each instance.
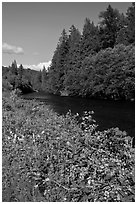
(27, 80)
(99, 62)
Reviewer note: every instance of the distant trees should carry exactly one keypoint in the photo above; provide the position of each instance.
(14, 68)
(14, 77)
(20, 71)
(44, 79)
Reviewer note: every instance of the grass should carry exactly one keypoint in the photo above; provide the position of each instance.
(47, 157)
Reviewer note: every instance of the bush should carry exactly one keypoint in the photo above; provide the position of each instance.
(47, 157)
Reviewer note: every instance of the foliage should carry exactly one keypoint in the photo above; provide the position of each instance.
(100, 62)
(56, 72)
(14, 77)
(47, 157)
(131, 23)
(90, 39)
(72, 60)
(108, 74)
(109, 27)
(126, 33)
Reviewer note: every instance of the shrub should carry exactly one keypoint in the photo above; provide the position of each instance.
(47, 157)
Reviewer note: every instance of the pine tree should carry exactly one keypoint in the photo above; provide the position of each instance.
(131, 23)
(122, 34)
(43, 79)
(126, 33)
(73, 58)
(57, 68)
(90, 39)
(109, 27)
(14, 67)
(20, 71)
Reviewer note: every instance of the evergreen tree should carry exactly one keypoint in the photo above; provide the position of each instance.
(109, 27)
(57, 68)
(14, 67)
(43, 79)
(73, 58)
(92, 64)
(90, 39)
(20, 71)
(131, 23)
(37, 80)
(126, 34)
(122, 34)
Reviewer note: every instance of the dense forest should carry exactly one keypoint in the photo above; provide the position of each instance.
(99, 62)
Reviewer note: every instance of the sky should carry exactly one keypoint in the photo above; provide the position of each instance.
(31, 30)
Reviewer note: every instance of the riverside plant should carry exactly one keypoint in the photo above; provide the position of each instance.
(47, 157)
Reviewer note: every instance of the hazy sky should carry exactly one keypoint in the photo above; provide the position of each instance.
(31, 30)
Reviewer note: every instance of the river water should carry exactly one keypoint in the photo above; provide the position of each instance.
(106, 113)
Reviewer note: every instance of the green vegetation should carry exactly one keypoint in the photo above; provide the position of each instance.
(99, 62)
(47, 157)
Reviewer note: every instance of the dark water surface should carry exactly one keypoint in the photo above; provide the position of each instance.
(107, 113)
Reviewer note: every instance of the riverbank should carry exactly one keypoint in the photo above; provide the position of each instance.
(107, 113)
(47, 157)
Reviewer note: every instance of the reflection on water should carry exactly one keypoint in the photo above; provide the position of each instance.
(107, 113)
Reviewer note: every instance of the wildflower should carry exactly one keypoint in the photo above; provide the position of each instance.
(106, 193)
(14, 139)
(89, 181)
(68, 143)
(45, 192)
(36, 186)
(47, 179)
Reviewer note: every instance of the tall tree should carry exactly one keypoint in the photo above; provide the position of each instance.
(14, 67)
(122, 34)
(20, 71)
(90, 39)
(109, 27)
(43, 78)
(126, 34)
(56, 72)
(131, 23)
(73, 57)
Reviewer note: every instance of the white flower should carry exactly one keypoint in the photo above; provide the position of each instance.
(14, 139)
(68, 143)
(89, 182)
(47, 179)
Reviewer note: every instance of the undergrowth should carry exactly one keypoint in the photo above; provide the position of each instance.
(47, 157)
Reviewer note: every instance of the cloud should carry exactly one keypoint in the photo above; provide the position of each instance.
(11, 49)
(39, 66)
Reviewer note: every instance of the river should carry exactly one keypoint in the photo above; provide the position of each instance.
(107, 113)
